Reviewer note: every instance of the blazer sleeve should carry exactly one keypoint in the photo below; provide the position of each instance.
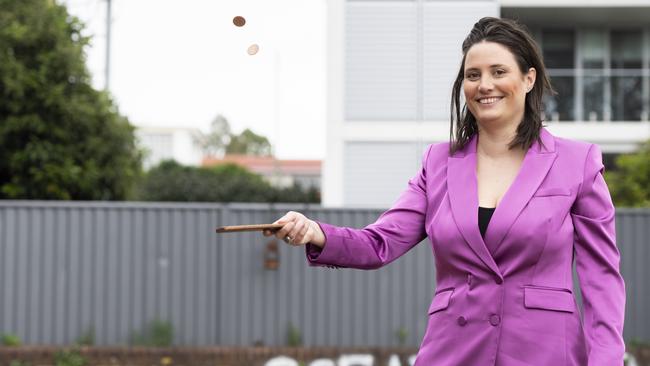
(394, 233)
(597, 263)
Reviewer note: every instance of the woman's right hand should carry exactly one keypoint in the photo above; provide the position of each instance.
(298, 230)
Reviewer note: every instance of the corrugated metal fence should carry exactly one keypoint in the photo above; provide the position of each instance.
(69, 267)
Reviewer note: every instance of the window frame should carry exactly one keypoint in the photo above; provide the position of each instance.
(579, 73)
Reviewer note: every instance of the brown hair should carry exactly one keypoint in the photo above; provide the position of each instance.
(515, 37)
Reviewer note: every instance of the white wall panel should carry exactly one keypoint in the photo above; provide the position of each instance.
(380, 61)
(445, 26)
(375, 173)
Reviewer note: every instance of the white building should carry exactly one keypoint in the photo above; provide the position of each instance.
(391, 65)
(169, 143)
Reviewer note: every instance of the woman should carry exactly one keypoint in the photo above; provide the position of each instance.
(504, 290)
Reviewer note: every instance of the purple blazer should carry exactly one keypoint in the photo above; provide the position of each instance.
(515, 307)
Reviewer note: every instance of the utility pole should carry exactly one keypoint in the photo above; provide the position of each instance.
(107, 65)
(276, 117)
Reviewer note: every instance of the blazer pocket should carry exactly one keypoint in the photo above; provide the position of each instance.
(440, 300)
(552, 191)
(548, 298)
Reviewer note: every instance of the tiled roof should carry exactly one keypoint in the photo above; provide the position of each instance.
(267, 164)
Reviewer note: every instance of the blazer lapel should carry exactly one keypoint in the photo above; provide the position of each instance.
(532, 172)
(462, 186)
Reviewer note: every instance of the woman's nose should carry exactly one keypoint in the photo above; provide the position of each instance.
(485, 85)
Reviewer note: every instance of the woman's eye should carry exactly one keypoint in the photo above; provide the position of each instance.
(499, 72)
(472, 76)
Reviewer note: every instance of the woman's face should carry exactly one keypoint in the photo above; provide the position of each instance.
(495, 89)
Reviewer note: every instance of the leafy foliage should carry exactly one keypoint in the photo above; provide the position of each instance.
(11, 340)
(19, 363)
(69, 358)
(87, 338)
(215, 142)
(158, 333)
(294, 338)
(401, 334)
(59, 137)
(629, 184)
(249, 143)
(220, 140)
(170, 181)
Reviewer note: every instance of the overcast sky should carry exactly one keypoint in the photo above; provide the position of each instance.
(180, 63)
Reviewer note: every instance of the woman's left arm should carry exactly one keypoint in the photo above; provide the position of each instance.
(597, 263)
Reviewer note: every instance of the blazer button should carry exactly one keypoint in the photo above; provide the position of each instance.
(462, 321)
(495, 320)
(498, 280)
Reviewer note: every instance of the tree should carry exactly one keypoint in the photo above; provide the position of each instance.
(170, 181)
(59, 137)
(296, 193)
(215, 142)
(249, 143)
(220, 140)
(629, 184)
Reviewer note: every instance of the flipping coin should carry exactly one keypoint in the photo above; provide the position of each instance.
(239, 21)
(252, 49)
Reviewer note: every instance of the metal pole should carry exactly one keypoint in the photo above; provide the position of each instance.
(276, 88)
(108, 45)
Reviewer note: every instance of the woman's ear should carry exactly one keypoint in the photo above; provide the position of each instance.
(530, 77)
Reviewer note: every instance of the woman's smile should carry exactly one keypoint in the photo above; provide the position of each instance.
(489, 101)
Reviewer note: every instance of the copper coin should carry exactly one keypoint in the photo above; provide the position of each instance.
(239, 21)
(252, 49)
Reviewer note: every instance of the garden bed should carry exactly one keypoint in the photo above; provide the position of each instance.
(210, 356)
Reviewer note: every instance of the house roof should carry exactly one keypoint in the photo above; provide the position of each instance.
(267, 164)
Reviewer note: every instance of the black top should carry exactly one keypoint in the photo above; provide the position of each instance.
(484, 216)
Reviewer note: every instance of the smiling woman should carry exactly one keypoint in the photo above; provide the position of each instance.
(503, 281)
(495, 93)
(500, 60)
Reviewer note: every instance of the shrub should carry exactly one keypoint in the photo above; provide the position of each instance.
(87, 338)
(69, 358)
(294, 338)
(159, 333)
(11, 340)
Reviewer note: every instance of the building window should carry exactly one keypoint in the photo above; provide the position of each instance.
(558, 46)
(558, 49)
(592, 60)
(599, 74)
